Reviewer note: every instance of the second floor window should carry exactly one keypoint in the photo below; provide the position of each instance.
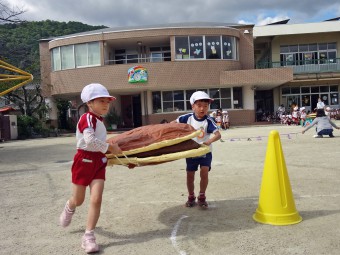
(206, 47)
(308, 54)
(160, 54)
(74, 56)
(125, 56)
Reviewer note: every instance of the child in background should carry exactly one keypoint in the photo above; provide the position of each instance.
(199, 119)
(295, 115)
(328, 112)
(213, 115)
(88, 169)
(303, 116)
(225, 120)
(218, 118)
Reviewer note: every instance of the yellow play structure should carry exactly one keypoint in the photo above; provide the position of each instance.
(19, 75)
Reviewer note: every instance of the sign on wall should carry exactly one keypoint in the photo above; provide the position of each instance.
(137, 74)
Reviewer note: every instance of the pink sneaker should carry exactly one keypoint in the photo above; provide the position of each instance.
(89, 242)
(66, 216)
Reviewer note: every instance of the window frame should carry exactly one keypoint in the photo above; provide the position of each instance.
(59, 61)
(164, 100)
(189, 49)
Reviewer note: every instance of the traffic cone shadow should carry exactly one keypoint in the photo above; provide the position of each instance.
(276, 202)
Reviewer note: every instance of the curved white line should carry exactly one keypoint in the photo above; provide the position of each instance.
(174, 233)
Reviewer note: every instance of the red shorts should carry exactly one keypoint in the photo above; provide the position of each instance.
(87, 166)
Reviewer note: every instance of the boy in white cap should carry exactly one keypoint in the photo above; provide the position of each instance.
(89, 163)
(200, 119)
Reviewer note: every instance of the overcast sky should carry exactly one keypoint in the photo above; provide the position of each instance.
(117, 13)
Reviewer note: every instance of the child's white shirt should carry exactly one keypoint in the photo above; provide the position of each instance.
(91, 133)
(206, 125)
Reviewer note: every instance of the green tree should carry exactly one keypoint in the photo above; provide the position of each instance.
(28, 98)
(19, 46)
(63, 106)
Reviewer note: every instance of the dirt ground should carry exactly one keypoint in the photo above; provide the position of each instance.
(143, 210)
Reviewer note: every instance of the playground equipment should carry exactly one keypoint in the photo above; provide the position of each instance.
(18, 76)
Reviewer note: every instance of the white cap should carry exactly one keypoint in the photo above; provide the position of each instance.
(93, 91)
(225, 112)
(199, 95)
(302, 108)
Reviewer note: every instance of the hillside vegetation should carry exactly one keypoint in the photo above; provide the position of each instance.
(19, 43)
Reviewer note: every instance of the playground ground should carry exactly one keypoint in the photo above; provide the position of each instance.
(143, 210)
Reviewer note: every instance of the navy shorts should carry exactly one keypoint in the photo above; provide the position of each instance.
(325, 132)
(193, 163)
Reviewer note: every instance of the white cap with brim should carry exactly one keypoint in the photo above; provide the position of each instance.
(93, 91)
(200, 95)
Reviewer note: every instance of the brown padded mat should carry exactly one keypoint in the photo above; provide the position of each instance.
(183, 146)
(133, 161)
(152, 137)
(155, 144)
(150, 134)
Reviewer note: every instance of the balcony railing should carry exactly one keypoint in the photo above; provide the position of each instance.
(129, 60)
(311, 66)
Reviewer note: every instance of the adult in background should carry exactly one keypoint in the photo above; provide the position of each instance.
(320, 104)
(324, 126)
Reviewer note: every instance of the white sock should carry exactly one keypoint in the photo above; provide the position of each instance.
(89, 231)
(68, 207)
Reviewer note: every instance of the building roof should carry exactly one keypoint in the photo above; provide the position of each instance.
(295, 29)
(159, 26)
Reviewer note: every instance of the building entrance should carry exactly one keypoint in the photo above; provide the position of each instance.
(264, 104)
(131, 111)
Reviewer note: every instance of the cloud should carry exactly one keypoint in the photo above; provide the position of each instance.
(147, 12)
(261, 20)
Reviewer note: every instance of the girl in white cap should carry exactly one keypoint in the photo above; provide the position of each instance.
(89, 163)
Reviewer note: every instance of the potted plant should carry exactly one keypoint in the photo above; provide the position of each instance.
(113, 119)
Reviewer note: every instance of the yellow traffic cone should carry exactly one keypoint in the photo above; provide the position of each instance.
(276, 201)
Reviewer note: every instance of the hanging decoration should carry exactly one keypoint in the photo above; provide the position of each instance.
(137, 74)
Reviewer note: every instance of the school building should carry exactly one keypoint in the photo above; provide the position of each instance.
(153, 70)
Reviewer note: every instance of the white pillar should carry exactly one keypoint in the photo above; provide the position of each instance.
(248, 98)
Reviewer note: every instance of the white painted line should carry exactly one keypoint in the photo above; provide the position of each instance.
(174, 234)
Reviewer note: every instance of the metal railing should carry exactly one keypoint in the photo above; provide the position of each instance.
(310, 66)
(137, 60)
